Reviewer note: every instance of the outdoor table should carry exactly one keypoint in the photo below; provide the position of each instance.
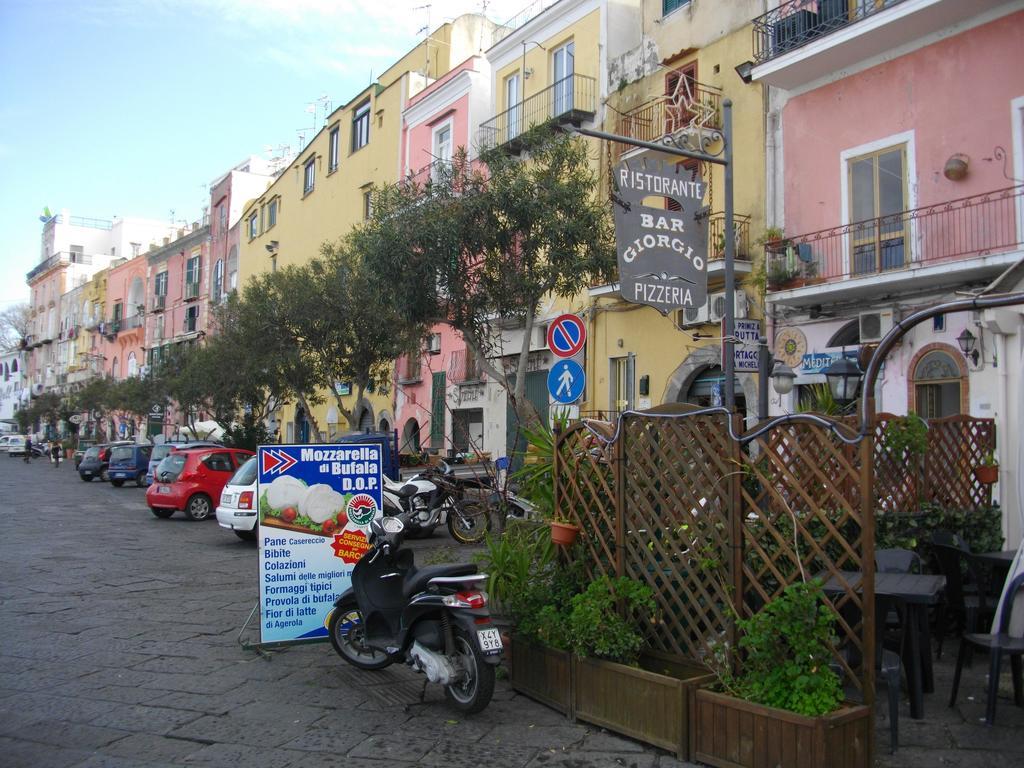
(918, 592)
(998, 560)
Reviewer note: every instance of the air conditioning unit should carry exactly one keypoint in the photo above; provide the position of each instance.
(874, 325)
(716, 306)
(693, 316)
(434, 344)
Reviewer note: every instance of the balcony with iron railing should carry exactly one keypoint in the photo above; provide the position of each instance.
(129, 323)
(62, 257)
(696, 107)
(969, 238)
(801, 40)
(464, 368)
(190, 324)
(158, 303)
(572, 99)
(192, 291)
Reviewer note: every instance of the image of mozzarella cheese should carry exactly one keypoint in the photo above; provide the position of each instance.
(285, 491)
(321, 503)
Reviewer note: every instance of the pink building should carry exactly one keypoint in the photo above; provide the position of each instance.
(122, 329)
(898, 156)
(179, 295)
(439, 393)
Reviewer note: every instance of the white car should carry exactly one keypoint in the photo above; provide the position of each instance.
(4, 440)
(237, 508)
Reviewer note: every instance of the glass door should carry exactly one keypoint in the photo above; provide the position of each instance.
(512, 107)
(564, 61)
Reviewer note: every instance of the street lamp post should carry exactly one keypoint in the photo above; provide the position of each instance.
(782, 377)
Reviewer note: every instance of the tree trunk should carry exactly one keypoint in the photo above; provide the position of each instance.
(342, 410)
(314, 427)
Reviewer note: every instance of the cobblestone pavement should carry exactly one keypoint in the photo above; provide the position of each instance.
(118, 648)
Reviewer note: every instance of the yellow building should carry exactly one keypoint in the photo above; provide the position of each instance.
(553, 66)
(326, 191)
(674, 82)
(87, 355)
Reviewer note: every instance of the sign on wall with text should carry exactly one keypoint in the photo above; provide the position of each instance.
(662, 252)
(316, 503)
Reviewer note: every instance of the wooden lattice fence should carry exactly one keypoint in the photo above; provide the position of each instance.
(944, 475)
(717, 526)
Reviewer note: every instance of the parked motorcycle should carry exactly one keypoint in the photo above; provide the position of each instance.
(434, 618)
(423, 500)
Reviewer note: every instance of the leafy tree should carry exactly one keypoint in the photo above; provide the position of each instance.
(483, 244)
(350, 324)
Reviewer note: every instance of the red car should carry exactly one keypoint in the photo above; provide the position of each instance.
(190, 479)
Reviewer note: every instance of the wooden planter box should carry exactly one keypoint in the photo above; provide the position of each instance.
(541, 673)
(650, 704)
(733, 733)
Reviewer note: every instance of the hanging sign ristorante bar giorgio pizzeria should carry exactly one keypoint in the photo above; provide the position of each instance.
(315, 505)
(662, 253)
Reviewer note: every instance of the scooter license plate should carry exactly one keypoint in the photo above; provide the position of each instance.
(490, 641)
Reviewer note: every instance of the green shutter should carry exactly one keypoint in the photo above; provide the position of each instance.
(667, 6)
(437, 411)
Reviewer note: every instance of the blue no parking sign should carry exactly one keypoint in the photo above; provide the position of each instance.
(566, 381)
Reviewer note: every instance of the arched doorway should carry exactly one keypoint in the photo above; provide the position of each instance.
(938, 382)
(366, 419)
(707, 389)
(697, 364)
(411, 437)
(301, 426)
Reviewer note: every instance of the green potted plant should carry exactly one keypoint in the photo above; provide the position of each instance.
(987, 470)
(773, 239)
(537, 481)
(783, 678)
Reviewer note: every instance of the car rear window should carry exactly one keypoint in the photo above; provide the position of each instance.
(170, 467)
(246, 474)
(92, 453)
(160, 452)
(121, 454)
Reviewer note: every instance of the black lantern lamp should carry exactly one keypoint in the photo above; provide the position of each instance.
(967, 341)
(843, 379)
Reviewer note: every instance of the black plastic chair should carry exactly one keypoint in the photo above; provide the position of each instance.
(898, 561)
(996, 645)
(966, 583)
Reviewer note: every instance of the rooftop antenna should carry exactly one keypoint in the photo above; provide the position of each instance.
(425, 29)
(325, 104)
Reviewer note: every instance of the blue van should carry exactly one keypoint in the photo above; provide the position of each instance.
(388, 442)
(129, 462)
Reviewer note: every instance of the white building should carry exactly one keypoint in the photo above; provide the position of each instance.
(13, 392)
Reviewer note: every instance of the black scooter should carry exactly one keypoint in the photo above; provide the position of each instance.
(435, 619)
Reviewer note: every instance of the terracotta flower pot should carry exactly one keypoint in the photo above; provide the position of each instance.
(987, 474)
(563, 534)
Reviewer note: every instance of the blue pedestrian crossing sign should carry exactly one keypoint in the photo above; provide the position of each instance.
(566, 381)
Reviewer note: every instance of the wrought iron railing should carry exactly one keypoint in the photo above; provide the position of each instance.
(63, 257)
(130, 323)
(464, 368)
(191, 290)
(573, 97)
(716, 236)
(797, 22)
(664, 115)
(973, 226)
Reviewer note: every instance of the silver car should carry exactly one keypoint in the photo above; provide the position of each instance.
(238, 502)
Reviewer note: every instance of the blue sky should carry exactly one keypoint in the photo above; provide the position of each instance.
(131, 107)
